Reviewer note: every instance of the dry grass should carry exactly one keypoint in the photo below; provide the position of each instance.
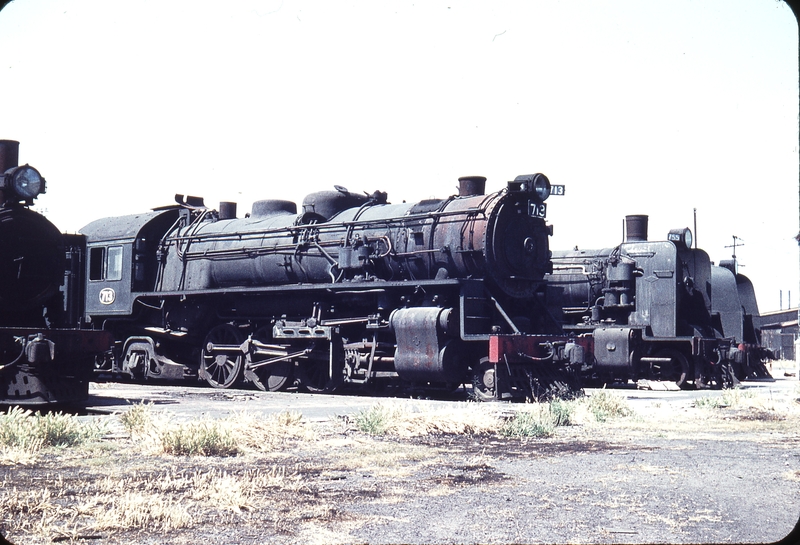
(23, 434)
(529, 420)
(413, 421)
(126, 494)
(139, 483)
(157, 433)
(384, 459)
(729, 415)
(162, 501)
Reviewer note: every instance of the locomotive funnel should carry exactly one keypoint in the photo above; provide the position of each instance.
(471, 185)
(9, 154)
(227, 210)
(636, 228)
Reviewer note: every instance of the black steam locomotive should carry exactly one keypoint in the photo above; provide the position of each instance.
(352, 290)
(658, 310)
(44, 358)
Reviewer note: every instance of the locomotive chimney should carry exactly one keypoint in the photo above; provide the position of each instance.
(471, 185)
(227, 210)
(9, 155)
(636, 228)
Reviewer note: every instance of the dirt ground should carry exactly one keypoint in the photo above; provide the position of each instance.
(673, 473)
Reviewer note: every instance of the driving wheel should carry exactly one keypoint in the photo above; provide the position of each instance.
(222, 369)
(272, 377)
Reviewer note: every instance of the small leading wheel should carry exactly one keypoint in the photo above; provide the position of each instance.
(484, 381)
(222, 369)
(272, 377)
(677, 370)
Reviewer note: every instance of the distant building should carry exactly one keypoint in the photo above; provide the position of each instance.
(778, 331)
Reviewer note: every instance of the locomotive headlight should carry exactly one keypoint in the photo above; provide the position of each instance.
(25, 182)
(535, 183)
(681, 237)
(541, 186)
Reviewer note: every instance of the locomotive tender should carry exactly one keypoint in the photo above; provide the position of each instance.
(658, 310)
(352, 290)
(44, 358)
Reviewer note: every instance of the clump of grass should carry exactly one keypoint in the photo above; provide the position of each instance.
(205, 438)
(538, 422)
(604, 405)
(707, 402)
(138, 419)
(240, 492)
(562, 412)
(265, 433)
(409, 421)
(735, 396)
(377, 420)
(541, 419)
(24, 430)
(213, 438)
(134, 509)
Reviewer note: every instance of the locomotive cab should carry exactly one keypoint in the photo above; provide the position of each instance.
(122, 260)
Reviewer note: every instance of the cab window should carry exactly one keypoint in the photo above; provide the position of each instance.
(105, 263)
(114, 263)
(97, 260)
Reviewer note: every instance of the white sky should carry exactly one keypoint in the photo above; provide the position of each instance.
(638, 107)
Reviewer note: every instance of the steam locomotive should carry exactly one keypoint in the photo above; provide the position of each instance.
(658, 310)
(356, 291)
(44, 357)
(353, 290)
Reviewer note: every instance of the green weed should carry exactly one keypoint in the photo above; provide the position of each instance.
(529, 423)
(198, 439)
(377, 419)
(22, 429)
(138, 419)
(604, 405)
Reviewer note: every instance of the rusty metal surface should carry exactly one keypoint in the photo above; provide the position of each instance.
(422, 354)
(472, 236)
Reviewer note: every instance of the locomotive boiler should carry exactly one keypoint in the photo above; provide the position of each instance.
(43, 357)
(349, 290)
(656, 310)
(343, 236)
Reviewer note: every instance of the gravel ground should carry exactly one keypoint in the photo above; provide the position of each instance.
(671, 472)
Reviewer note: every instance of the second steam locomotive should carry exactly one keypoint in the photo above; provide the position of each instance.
(658, 310)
